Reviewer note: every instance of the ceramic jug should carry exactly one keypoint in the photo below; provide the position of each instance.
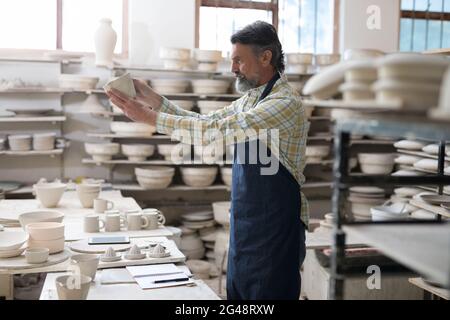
(105, 42)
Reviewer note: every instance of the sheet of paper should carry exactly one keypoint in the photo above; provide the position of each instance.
(148, 283)
(153, 270)
(116, 276)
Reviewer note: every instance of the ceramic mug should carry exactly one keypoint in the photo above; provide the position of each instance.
(155, 218)
(93, 223)
(102, 205)
(114, 222)
(137, 221)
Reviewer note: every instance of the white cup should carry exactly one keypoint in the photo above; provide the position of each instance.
(93, 223)
(137, 221)
(114, 222)
(102, 205)
(87, 264)
(155, 218)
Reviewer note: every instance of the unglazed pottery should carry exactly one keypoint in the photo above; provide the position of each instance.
(134, 253)
(54, 245)
(132, 128)
(409, 145)
(73, 287)
(169, 86)
(102, 151)
(92, 223)
(356, 91)
(42, 231)
(12, 240)
(124, 84)
(86, 263)
(199, 268)
(105, 39)
(227, 175)
(37, 255)
(44, 141)
(40, 216)
(77, 82)
(158, 252)
(19, 142)
(199, 177)
(210, 86)
(208, 55)
(49, 194)
(222, 212)
(110, 255)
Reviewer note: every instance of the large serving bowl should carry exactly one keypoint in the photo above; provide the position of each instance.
(169, 86)
(132, 128)
(75, 81)
(42, 231)
(210, 86)
(198, 176)
(102, 151)
(44, 141)
(174, 152)
(49, 194)
(138, 152)
(154, 177)
(21, 142)
(40, 216)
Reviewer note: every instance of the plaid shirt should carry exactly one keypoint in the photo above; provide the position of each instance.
(282, 109)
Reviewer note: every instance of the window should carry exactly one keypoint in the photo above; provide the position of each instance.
(425, 25)
(303, 25)
(59, 24)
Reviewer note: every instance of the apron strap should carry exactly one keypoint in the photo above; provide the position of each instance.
(269, 86)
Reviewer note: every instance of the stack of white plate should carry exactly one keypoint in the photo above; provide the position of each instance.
(46, 235)
(199, 176)
(362, 199)
(154, 177)
(12, 243)
(19, 142)
(44, 141)
(208, 60)
(299, 62)
(175, 58)
(412, 79)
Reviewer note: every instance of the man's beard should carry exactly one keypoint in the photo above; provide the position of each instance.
(243, 84)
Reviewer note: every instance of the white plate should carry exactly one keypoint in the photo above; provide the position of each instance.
(13, 253)
(367, 190)
(12, 240)
(409, 145)
(30, 112)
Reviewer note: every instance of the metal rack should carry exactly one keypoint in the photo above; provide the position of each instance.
(396, 239)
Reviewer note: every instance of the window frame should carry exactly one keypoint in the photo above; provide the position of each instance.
(59, 35)
(267, 6)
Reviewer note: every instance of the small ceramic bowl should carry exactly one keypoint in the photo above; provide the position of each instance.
(37, 255)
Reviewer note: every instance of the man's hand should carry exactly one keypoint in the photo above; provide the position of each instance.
(147, 95)
(133, 109)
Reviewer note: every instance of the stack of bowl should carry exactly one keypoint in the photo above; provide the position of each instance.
(170, 86)
(411, 79)
(299, 62)
(87, 193)
(210, 86)
(102, 151)
(208, 60)
(362, 199)
(46, 235)
(376, 163)
(175, 58)
(49, 194)
(40, 216)
(44, 141)
(199, 268)
(12, 243)
(198, 220)
(359, 79)
(20, 142)
(191, 245)
(199, 177)
(154, 177)
(132, 128)
(138, 152)
(325, 60)
(207, 107)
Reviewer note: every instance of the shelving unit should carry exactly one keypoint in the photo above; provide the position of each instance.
(51, 119)
(419, 245)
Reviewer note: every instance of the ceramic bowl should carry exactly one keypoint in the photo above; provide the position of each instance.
(156, 183)
(325, 84)
(155, 172)
(174, 152)
(175, 64)
(73, 287)
(124, 84)
(210, 86)
(413, 67)
(174, 53)
(199, 268)
(373, 168)
(12, 240)
(208, 55)
(44, 141)
(19, 142)
(87, 197)
(49, 194)
(227, 175)
(364, 72)
(40, 216)
(169, 86)
(363, 54)
(54, 246)
(207, 66)
(407, 173)
(138, 152)
(210, 106)
(102, 151)
(222, 212)
(299, 58)
(37, 255)
(433, 149)
(409, 145)
(88, 264)
(132, 128)
(43, 231)
(407, 192)
(92, 104)
(184, 104)
(413, 96)
(75, 81)
(327, 59)
(428, 164)
(198, 176)
(356, 91)
(376, 158)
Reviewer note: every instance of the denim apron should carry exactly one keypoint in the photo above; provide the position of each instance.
(267, 237)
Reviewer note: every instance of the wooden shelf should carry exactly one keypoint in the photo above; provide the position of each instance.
(420, 154)
(34, 119)
(440, 292)
(33, 153)
(119, 136)
(137, 187)
(201, 96)
(362, 106)
(151, 163)
(43, 90)
(160, 69)
(421, 247)
(435, 209)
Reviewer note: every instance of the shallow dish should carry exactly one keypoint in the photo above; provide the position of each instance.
(12, 240)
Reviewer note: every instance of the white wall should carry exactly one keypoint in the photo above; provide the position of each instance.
(156, 23)
(354, 31)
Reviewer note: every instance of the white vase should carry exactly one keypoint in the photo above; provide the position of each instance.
(105, 42)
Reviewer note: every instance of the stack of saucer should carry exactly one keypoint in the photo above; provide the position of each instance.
(362, 199)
